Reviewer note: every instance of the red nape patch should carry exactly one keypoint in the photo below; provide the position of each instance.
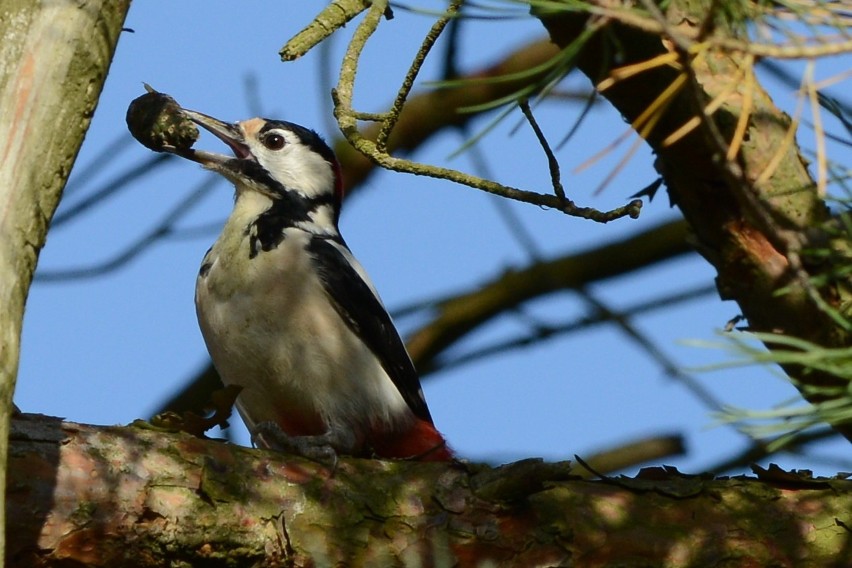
(421, 442)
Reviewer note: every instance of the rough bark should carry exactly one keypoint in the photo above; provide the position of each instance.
(126, 496)
(752, 232)
(54, 58)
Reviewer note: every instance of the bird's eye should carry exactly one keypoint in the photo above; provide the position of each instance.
(274, 141)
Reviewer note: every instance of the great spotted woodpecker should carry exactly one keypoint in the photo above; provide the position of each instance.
(290, 315)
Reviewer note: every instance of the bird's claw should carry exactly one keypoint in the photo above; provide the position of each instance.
(316, 448)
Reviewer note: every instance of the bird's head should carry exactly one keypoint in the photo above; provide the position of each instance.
(272, 157)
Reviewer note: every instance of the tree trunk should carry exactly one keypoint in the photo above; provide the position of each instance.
(752, 230)
(134, 497)
(54, 57)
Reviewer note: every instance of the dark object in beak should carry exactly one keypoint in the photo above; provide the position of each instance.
(228, 133)
(156, 121)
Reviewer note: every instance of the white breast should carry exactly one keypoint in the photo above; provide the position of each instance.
(270, 327)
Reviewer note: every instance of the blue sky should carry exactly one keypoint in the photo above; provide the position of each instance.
(108, 350)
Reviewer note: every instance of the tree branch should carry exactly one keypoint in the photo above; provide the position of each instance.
(127, 496)
(427, 113)
(465, 312)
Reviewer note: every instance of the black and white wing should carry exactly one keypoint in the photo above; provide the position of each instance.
(356, 301)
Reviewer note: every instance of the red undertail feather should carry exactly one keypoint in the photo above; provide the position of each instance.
(422, 442)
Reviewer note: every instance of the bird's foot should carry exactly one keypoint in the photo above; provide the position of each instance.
(319, 448)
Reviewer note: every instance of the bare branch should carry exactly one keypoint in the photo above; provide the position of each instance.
(543, 333)
(465, 312)
(623, 320)
(117, 184)
(629, 454)
(432, 36)
(348, 117)
(552, 162)
(333, 17)
(164, 228)
(151, 498)
(432, 111)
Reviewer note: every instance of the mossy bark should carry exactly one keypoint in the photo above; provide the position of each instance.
(126, 496)
(54, 58)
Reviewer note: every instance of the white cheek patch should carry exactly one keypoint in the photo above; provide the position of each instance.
(299, 168)
(295, 166)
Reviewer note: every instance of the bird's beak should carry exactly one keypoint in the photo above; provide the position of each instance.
(230, 134)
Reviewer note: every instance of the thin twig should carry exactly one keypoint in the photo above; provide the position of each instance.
(549, 332)
(99, 196)
(347, 119)
(525, 238)
(160, 231)
(552, 162)
(333, 17)
(578, 122)
(759, 450)
(413, 70)
(82, 174)
(670, 368)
